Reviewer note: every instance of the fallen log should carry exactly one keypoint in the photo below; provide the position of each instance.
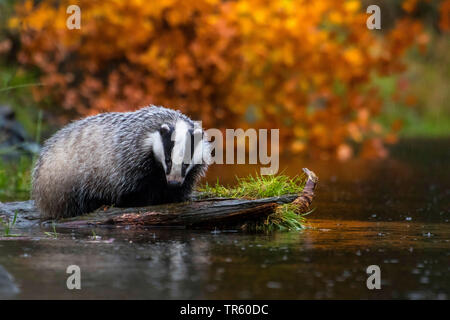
(198, 213)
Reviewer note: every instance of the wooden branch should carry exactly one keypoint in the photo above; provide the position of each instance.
(305, 199)
(212, 212)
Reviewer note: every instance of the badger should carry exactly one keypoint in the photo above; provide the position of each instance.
(150, 156)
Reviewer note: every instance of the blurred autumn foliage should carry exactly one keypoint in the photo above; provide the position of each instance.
(305, 67)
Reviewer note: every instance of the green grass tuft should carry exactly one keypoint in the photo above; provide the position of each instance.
(255, 187)
(284, 218)
(52, 234)
(8, 225)
(15, 179)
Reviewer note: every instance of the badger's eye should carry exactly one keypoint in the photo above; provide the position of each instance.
(168, 166)
(184, 167)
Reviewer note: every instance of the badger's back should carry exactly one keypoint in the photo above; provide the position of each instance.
(97, 161)
(77, 160)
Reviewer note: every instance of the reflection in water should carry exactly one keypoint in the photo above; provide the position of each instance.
(8, 287)
(390, 213)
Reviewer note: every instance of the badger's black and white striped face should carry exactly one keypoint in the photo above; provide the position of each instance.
(178, 148)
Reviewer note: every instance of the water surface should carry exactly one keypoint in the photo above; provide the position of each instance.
(392, 213)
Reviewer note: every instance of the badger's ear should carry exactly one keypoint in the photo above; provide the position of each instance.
(164, 129)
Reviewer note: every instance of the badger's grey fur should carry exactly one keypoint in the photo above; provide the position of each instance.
(122, 159)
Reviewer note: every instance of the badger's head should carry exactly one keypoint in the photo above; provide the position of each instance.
(180, 149)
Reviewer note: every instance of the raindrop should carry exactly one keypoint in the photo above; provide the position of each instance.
(273, 285)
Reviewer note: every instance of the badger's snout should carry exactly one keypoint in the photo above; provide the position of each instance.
(174, 183)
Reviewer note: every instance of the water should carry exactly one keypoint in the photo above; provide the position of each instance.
(393, 213)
